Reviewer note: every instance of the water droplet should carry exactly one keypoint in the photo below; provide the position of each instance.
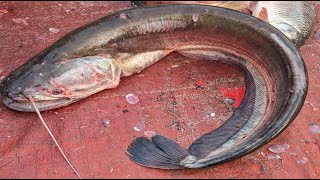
(132, 99)
(140, 125)
(314, 128)
(149, 134)
(302, 160)
(54, 30)
(212, 114)
(195, 17)
(279, 148)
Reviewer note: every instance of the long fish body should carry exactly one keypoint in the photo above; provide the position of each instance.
(94, 57)
(293, 18)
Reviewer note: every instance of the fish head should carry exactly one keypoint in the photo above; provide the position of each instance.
(62, 83)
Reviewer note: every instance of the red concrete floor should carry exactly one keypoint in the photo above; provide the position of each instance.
(169, 103)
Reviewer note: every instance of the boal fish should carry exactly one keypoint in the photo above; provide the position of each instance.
(293, 18)
(95, 57)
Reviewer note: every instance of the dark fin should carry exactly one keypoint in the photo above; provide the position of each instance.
(207, 143)
(160, 152)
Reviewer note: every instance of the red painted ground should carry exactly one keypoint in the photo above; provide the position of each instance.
(170, 103)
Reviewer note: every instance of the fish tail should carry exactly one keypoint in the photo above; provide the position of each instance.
(159, 152)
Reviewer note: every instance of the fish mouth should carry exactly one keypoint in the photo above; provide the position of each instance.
(19, 100)
(43, 105)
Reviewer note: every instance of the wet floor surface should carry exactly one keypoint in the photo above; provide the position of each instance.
(170, 98)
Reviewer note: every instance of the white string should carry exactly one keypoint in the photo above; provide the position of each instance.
(54, 139)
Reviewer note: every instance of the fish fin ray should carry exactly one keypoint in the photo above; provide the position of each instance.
(263, 14)
(160, 152)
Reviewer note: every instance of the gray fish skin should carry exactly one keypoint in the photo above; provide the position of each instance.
(295, 19)
(127, 42)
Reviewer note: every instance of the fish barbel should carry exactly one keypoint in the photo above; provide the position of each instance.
(95, 57)
(295, 19)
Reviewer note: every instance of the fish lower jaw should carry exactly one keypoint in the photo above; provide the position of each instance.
(26, 106)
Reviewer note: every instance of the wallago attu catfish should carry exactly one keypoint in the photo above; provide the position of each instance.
(95, 57)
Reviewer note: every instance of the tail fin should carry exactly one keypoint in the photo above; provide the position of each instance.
(160, 152)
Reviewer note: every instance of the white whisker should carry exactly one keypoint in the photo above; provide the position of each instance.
(54, 139)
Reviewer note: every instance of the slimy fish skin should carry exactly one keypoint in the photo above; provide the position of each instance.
(96, 56)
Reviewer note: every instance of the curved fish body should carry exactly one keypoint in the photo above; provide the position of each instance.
(94, 57)
(293, 18)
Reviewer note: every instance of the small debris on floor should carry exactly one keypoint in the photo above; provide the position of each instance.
(132, 99)
(149, 134)
(54, 30)
(314, 128)
(302, 160)
(229, 101)
(273, 157)
(212, 114)
(20, 21)
(279, 148)
(200, 84)
(106, 123)
(2, 12)
(293, 153)
(70, 10)
(42, 37)
(140, 125)
(175, 65)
